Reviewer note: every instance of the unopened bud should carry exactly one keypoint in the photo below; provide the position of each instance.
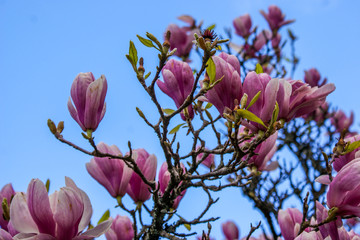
(243, 100)
(60, 127)
(51, 126)
(201, 42)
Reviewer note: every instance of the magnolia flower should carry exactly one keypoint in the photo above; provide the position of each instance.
(224, 93)
(164, 179)
(7, 192)
(121, 229)
(112, 173)
(230, 230)
(289, 222)
(340, 121)
(88, 96)
(329, 229)
(296, 98)
(275, 18)
(263, 154)
(208, 161)
(344, 190)
(4, 235)
(181, 39)
(61, 216)
(137, 189)
(242, 25)
(178, 83)
(312, 77)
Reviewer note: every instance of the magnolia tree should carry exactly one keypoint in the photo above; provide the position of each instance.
(241, 111)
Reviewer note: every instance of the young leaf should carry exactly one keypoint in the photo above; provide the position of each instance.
(147, 75)
(211, 69)
(352, 146)
(188, 227)
(253, 100)
(47, 185)
(250, 116)
(104, 217)
(176, 129)
(211, 27)
(168, 111)
(133, 53)
(259, 69)
(146, 42)
(275, 114)
(208, 105)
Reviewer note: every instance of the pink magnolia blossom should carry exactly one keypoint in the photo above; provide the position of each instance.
(88, 96)
(275, 18)
(344, 190)
(6, 192)
(61, 216)
(4, 235)
(290, 222)
(208, 161)
(224, 94)
(181, 39)
(230, 230)
(340, 121)
(264, 106)
(275, 41)
(242, 25)
(329, 229)
(263, 154)
(164, 179)
(259, 42)
(178, 83)
(296, 98)
(312, 77)
(345, 159)
(112, 173)
(121, 229)
(137, 189)
(310, 236)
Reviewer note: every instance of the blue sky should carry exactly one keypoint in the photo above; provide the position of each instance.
(45, 44)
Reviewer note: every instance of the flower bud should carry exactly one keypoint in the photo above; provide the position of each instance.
(88, 96)
(121, 229)
(112, 173)
(230, 230)
(275, 18)
(242, 25)
(178, 83)
(137, 189)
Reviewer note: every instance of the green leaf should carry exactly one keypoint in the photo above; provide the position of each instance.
(218, 47)
(208, 115)
(250, 116)
(275, 113)
(176, 129)
(104, 217)
(188, 227)
(133, 54)
(352, 146)
(253, 100)
(141, 114)
(147, 75)
(259, 69)
(208, 105)
(211, 27)
(146, 42)
(211, 69)
(168, 111)
(47, 185)
(154, 39)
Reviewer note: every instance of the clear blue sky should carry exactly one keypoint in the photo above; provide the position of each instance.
(45, 44)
